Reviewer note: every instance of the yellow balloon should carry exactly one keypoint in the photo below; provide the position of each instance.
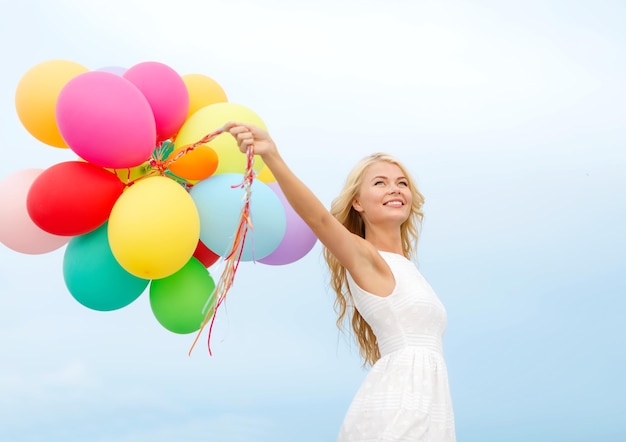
(266, 175)
(36, 98)
(154, 228)
(203, 91)
(211, 118)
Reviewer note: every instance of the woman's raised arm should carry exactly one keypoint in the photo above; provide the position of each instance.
(339, 241)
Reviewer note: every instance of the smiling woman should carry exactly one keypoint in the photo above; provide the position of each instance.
(383, 186)
(369, 236)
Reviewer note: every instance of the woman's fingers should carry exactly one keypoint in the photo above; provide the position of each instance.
(232, 126)
(244, 141)
(248, 135)
(241, 133)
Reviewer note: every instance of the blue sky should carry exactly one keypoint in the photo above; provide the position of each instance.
(510, 115)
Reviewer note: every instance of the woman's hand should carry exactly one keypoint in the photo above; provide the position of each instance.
(249, 135)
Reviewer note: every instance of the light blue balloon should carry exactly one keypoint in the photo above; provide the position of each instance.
(219, 201)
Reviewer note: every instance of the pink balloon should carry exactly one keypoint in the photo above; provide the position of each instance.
(166, 92)
(17, 230)
(299, 239)
(106, 120)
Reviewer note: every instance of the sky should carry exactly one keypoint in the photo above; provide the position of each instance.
(510, 115)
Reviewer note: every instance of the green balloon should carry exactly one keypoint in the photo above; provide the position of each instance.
(94, 277)
(180, 301)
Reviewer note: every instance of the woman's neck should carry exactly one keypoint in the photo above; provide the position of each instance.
(385, 240)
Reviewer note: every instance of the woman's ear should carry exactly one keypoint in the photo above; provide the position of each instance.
(356, 205)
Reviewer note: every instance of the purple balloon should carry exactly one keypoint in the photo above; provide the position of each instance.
(117, 70)
(299, 239)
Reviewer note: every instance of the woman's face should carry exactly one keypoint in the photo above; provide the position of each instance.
(384, 195)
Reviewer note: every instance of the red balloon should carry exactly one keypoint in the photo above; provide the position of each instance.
(205, 255)
(72, 198)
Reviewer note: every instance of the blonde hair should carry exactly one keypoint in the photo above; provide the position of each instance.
(341, 208)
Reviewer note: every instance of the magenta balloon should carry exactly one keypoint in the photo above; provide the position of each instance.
(17, 230)
(106, 120)
(299, 239)
(166, 92)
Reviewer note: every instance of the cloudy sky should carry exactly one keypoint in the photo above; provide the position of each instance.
(510, 115)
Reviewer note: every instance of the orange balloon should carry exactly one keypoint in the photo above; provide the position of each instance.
(197, 164)
(203, 91)
(36, 98)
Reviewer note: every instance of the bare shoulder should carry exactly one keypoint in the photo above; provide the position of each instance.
(357, 255)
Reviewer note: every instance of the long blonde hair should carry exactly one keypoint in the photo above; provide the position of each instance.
(341, 208)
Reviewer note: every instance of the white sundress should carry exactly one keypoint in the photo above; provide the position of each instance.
(405, 396)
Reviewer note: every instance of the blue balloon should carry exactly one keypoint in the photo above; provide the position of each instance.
(219, 200)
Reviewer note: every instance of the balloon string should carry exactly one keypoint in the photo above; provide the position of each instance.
(191, 147)
(233, 258)
(160, 163)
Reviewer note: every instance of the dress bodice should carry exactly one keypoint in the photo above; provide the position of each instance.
(411, 316)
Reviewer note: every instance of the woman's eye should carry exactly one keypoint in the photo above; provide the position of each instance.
(378, 183)
(403, 184)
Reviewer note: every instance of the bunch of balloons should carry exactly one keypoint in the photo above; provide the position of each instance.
(145, 206)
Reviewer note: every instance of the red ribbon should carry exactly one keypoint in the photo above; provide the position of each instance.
(233, 258)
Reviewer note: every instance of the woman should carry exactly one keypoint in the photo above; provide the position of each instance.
(369, 236)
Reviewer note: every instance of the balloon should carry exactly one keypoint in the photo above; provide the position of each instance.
(219, 205)
(117, 70)
(266, 175)
(203, 91)
(211, 118)
(106, 120)
(195, 165)
(180, 301)
(299, 239)
(154, 228)
(17, 229)
(166, 92)
(36, 98)
(130, 174)
(206, 256)
(72, 198)
(94, 277)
